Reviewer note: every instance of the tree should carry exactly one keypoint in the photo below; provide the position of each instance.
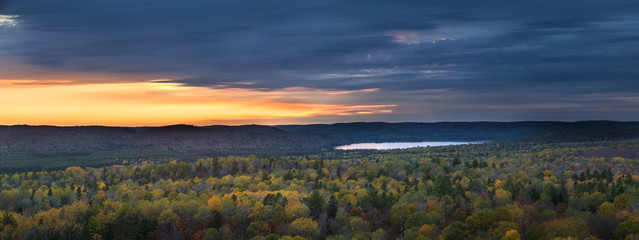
(443, 185)
(215, 203)
(213, 234)
(295, 209)
(453, 233)
(332, 207)
(534, 194)
(305, 227)
(125, 220)
(357, 224)
(315, 202)
(279, 215)
(8, 219)
(400, 214)
(260, 212)
(169, 218)
(511, 235)
(419, 218)
(626, 228)
(427, 230)
(456, 161)
(436, 210)
(503, 228)
(567, 227)
(339, 223)
(379, 234)
(595, 200)
(606, 208)
(228, 205)
(533, 233)
(502, 196)
(218, 220)
(555, 194)
(144, 227)
(373, 200)
(258, 228)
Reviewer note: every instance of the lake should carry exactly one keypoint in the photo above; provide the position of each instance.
(399, 145)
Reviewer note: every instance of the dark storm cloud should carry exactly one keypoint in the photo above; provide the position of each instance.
(569, 47)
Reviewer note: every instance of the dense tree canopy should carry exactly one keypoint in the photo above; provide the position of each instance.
(501, 190)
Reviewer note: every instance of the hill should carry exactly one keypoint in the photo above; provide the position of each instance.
(25, 147)
(346, 133)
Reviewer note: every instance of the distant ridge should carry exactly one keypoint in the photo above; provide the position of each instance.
(24, 147)
(552, 131)
(183, 138)
(178, 138)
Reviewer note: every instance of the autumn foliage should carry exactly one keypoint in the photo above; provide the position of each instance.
(500, 190)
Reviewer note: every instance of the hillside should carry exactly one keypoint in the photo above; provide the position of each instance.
(50, 147)
(180, 138)
(345, 133)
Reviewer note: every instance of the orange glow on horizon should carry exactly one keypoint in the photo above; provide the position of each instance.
(160, 102)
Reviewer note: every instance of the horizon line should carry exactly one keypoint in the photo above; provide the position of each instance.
(306, 124)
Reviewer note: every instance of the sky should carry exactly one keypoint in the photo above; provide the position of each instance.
(203, 62)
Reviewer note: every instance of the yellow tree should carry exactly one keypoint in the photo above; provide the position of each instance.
(502, 196)
(511, 235)
(358, 224)
(215, 203)
(295, 209)
(305, 227)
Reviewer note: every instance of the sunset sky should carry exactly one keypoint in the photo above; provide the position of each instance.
(203, 62)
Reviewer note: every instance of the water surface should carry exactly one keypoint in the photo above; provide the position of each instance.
(398, 145)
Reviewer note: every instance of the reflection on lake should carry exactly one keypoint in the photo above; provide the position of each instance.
(398, 145)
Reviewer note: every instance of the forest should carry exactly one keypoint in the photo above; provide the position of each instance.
(495, 190)
(37, 148)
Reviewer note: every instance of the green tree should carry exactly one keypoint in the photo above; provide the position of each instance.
(144, 227)
(125, 220)
(419, 218)
(218, 220)
(213, 234)
(595, 200)
(567, 227)
(453, 233)
(332, 207)
(626, 228)
(443, 185)
(339, 223)
(258, 228)
(279, 215)
(533, 233)
(400, 214)
(315, 202)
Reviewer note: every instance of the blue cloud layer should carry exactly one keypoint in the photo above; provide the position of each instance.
(490, 50)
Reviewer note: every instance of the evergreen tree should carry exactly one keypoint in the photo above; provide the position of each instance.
(315, 202)
(332, 207)
(144, 227)
(218, 221)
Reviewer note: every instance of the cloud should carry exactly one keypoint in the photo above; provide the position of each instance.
(161, 102)
(490, 49)
(8, 20)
